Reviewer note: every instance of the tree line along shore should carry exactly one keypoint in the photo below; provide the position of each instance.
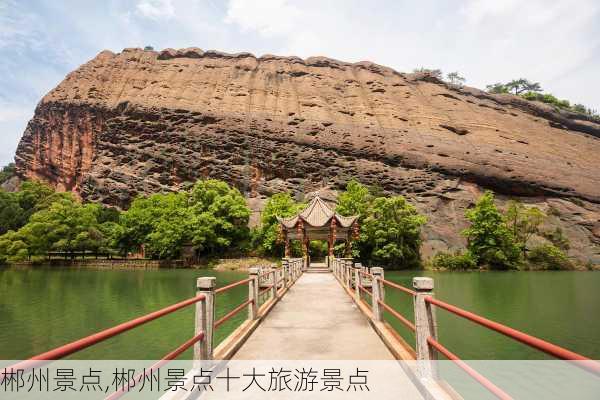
(210, 218)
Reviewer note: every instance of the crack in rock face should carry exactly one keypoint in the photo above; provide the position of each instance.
(139, 122)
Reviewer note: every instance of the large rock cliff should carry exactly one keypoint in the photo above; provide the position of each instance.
(145, 121)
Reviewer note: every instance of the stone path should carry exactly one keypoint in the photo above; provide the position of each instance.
(315, 320)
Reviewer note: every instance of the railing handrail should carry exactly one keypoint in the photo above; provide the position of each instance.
(170, 356)
(83, 343)
(365, 273)
(232, 285)
(399, 287)
(486, 383)
(364, 289)
(531, 341)
(233, 312)
(399, 316)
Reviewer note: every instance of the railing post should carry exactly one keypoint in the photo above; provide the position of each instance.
(426, 326)
(348, 273)
(205, 318)
(357, 284)
(378, 293)
(286, 272)
(253, 293)
(295, 269)
(345, 268)
(273, 283)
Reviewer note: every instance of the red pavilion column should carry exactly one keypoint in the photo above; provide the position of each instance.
(332, 236)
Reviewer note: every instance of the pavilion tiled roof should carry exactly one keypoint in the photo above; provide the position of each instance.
(317, 214)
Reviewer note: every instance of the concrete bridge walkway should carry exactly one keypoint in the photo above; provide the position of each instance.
(316, 319)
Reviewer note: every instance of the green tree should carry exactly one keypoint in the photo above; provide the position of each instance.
(12, 216)
(523, 222)
(66, 226)
(7, 172)
(455, 78)
(220, 216)
(391, 233)
(143, 219)
(523, 85)
(32, 196)
(171, 230)
(213, 217)
(355, 200)
(278, 205)
(490, 241)
(497, 88)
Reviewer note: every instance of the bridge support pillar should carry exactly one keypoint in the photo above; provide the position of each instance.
(378, 292)
(205, 318)
(253, 288)
(426, 326)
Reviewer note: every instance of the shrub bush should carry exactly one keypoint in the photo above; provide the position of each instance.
(457, 261)
(548, 256)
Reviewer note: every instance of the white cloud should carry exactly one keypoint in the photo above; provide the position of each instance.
(477, 10)
(555, 42)
(486, 40)
(155, 9)
(268, 17)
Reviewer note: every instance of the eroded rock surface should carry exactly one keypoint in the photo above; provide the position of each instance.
(145, 121)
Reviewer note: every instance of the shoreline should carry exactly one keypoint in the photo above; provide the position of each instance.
(218, 264)
(224, 265)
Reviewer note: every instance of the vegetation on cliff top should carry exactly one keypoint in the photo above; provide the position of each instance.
(532, 91)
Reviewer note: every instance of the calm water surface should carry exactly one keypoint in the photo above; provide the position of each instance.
(44, 308)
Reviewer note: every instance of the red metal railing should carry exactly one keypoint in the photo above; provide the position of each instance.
(396, 314)
(363, 273)
(542, 345)
(399, 287)
(238, 308)
(265, 290)
(231, 313)
(78, 345)
(495, 390)
(232, 285)
(393, 312)
(531, 341)
(171, 356)
(365, 290)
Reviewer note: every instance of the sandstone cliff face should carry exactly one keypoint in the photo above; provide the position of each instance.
(143, 121)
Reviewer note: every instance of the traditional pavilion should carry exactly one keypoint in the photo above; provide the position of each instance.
(318, 222)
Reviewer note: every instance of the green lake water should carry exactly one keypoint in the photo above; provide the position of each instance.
(44, 308)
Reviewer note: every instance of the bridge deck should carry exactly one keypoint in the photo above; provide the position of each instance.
(316, 319)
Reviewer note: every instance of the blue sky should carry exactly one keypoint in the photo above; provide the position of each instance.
(555, 42)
